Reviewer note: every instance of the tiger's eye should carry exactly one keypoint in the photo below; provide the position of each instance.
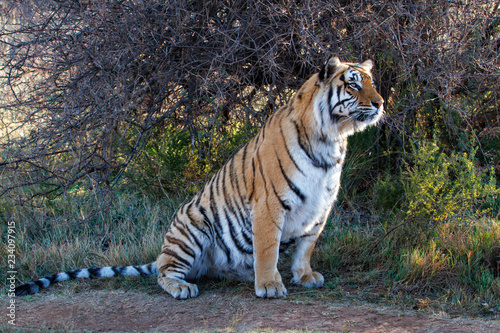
(355, 86)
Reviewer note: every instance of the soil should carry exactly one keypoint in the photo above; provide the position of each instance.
(217, 310)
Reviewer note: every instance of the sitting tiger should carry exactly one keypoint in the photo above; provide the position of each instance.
(276, 190)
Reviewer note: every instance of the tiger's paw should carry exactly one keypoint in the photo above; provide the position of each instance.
(273, 289)
(179, 289)
(312, 280)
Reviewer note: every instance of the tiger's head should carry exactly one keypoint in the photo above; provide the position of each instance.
(346, 101)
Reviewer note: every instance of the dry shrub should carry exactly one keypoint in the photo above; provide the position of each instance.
(86, 83)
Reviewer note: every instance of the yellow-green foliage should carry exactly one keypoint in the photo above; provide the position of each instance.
(439, 186)
(458, 255)
(178, 161)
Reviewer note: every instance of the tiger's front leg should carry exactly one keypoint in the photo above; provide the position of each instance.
(301, 265)
(267, 234)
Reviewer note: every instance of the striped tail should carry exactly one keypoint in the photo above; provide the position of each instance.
(86, 273)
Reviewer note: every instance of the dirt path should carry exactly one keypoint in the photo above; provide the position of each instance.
(131, 311)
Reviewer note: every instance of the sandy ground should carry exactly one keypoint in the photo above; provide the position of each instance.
(222, 311)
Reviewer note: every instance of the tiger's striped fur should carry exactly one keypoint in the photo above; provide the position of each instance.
(277, 190)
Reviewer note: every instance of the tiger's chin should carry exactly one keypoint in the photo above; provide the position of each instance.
(370, 117)
(357, 121)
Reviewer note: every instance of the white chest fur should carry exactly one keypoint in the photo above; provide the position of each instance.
(319, 188)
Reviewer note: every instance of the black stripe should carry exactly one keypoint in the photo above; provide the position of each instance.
(182, 209)
(141, 270)
(257, 137)
(261, 171)
(224, 186)
(164, 267)
(195, 225)
(199, 195)
(326, 112)
(93, 272)
(39, 283)
(335, 117)
(253, 179)
(117, 270)
(246, 227)
(302, 144)
(186, 232)
(239, 213)
(321, 164)
(73, 273)
(52, 278)
(194, 222)
(172, 267)
(182, 229)
(218, 227)
(288, 151)
(283, 204)
(330, 95)
(183, 246)
(248, 239)
(175, 270)
(232, 174)
(208, 222)
(245, 232)
(276, 223)
(26, 289)
(151, 267)
(234, 235)
(217, 181)
(229, 201)
(341, 102)
(243, 160)
(196, 239)
(304, 133)
(235, 179)
(292, 186)
(179, 259)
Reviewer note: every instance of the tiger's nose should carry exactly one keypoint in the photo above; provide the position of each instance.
(378, 104)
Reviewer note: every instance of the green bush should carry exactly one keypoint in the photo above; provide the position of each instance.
(176, 163)
(438, 186)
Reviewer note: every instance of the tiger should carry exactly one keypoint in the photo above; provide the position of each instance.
(275, 192)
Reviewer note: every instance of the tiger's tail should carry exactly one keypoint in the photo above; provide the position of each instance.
(85, 273)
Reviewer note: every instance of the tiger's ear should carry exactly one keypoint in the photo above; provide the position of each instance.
(328, 68)
(368, 65)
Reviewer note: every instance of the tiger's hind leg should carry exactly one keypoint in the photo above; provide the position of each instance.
(171, 279)
(181, 253)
